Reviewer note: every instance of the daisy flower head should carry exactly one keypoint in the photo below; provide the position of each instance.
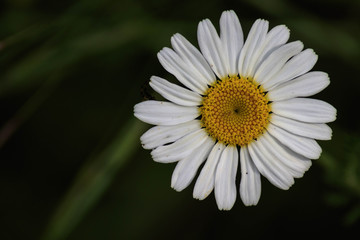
(239, 105)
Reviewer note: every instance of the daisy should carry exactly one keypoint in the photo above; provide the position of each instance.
(239, 104)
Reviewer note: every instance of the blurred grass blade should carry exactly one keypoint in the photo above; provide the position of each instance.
(342, 173)
(51, 57)
(29, 108)
(93, 180)
(352, 216)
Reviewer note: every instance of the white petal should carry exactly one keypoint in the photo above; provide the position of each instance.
(269, 167)
(276, 37)
(160, 135)
(303, 86)
(297, 164)
(318, 131)
(193, 57)
(206, 180)
(181, 148)
(175, 65)
(164, 113)
(285, 167)
(276, 60)
(278, 166)
(249, 53)
(232, 39)
(305, 110)
(175, 93)
(296, 66)
(250, 184)
(211, 48)
(225, 187)
(186, 168)
(307, 147)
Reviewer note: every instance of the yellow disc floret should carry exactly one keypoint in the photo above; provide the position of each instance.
(235, 111)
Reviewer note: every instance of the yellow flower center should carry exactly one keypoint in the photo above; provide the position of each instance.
(235, 111)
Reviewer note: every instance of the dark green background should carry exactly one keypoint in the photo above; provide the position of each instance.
(71, 163)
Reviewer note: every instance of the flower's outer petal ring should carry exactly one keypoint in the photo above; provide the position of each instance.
(255, 41)
(275, 38)
(250, 184)
(211, 48)
(276, 60)
(319, 131)
(296, 66)
(160, 135)
(175, 93)
(305, 110)
(175, 65)
(307, 147)
(295, 164)
(303, 86)
(181, 148)
(225, 186)
(232, 39)
(186, 168)
(270, 169)
(206, 180)
(164, 113)
(193, 57)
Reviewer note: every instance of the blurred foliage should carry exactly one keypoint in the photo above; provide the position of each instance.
(93, 179)
(342, 167)
(72, 164)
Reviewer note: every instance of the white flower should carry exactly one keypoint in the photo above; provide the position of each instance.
(239, 102)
